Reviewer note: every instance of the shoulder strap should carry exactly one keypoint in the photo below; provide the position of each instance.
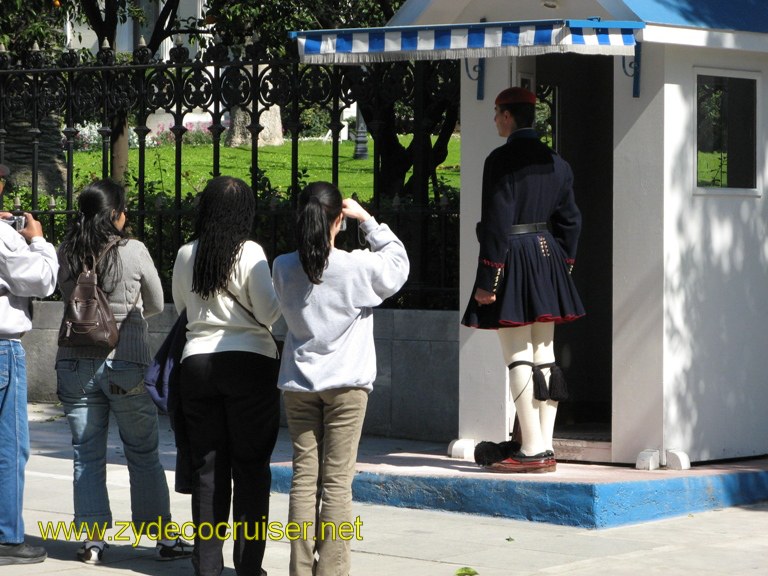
(109, 245)
(112, 242)
(252, 315)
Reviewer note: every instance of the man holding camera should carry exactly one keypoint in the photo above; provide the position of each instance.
(28, 268)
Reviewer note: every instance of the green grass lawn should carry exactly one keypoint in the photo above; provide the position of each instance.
(712, 169)
(275, 161)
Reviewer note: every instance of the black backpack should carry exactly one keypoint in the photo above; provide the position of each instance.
(88, 319)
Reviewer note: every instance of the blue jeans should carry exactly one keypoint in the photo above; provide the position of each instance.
(89, 390)
(14, 440)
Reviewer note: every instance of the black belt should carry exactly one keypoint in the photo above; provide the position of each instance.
(527, 228)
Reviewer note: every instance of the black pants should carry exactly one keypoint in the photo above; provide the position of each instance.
(231, 409)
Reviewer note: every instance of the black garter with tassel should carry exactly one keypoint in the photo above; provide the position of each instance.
(557, 390)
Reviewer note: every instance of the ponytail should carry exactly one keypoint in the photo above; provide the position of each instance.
(93, 228)
(319, 206)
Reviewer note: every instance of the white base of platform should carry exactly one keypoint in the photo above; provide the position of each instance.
(462, 448)
(582, 450)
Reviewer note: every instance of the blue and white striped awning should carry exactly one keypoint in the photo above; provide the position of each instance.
(482, 40)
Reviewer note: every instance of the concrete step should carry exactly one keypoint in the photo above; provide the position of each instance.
(420, 475)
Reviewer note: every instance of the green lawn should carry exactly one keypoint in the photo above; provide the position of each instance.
(712, 169)
(314, 158)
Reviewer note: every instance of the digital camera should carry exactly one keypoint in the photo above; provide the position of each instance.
(18, 222)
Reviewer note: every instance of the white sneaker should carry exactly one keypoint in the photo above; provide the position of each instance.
(91, 551)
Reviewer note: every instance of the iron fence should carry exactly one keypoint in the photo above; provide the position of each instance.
(45, 100)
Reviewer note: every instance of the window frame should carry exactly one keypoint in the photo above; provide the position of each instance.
(757, 190)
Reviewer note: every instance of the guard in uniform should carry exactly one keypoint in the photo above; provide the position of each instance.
(528, 236)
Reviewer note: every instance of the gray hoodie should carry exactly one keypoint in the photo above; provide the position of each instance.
(330, 325)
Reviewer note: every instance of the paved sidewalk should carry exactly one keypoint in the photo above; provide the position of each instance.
(729, 541)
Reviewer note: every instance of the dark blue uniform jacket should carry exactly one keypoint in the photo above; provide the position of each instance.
(524, 182)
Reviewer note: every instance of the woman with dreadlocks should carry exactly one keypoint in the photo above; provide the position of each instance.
(229, 401)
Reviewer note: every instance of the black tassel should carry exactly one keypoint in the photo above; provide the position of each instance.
(509, 447)
(558, 388)
(540, 391)
(487, 453)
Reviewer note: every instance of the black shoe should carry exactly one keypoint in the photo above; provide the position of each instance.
(179, 550)
(21, 554)
(520, 463)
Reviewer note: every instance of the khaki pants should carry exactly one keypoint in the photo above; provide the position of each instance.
(325, 429)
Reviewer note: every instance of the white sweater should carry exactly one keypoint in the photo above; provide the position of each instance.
(26, 270)
(219, 324)
(330, 325)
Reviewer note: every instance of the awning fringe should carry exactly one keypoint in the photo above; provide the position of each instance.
(374, 57)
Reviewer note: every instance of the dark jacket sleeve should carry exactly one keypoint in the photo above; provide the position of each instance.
(491, 231)
(566, 220)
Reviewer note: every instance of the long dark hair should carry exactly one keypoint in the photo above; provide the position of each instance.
(225, 215)
(319, 207)
(100, 205)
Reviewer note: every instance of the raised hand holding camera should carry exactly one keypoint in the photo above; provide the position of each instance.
(351, 209)
(25, 224)
(32, 228)
(18, 222)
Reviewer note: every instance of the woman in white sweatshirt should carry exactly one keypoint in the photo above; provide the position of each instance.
(229, 402)
(329, 365)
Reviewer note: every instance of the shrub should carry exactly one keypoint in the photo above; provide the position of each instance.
(315, 122)
(88, 137)
(197, 134)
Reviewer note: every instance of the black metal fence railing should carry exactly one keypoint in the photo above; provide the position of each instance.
(45, 102)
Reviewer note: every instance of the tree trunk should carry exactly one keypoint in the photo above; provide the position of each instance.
(19, 157)
(270, 135)
(272, 127)
(118, 142)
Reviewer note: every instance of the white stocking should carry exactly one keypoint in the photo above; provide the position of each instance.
(544, 353)
(531, 343)
(516, 346)
(547, 415)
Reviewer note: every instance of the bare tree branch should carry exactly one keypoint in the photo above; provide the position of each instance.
(164, 25)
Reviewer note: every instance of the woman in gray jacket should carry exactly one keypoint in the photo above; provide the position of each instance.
(93, 382)
(329, 365)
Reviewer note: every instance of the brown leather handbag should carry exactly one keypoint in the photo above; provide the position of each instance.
(88, 319)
